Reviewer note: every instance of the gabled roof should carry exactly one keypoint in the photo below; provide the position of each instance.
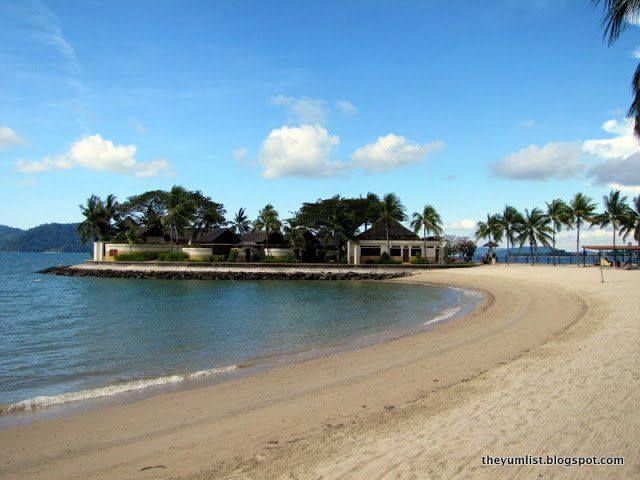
(218, 235)
(396, 232)
(259, 237)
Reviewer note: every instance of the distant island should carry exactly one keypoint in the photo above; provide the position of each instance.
(50, 237)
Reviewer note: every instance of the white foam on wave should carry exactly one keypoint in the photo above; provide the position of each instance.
(444, 315)
(128, 387)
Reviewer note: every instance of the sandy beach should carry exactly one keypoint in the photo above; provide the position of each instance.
(548, 365)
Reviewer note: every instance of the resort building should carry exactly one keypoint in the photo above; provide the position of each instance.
(404, 245)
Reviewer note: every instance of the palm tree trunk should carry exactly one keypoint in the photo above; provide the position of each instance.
(424, 236)
(554, 244)
(531, 250)
(578, 244)
(386, 228)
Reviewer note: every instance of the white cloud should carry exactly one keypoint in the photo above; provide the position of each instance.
(528, 123)
(553, 160)
(623, 171)
(390, 152)
(636, 53)
(346, 107)
(633, 189)
(621, 153)
(299, 151)
(240, 154)
(464, 224)
(622, 145)
(49, 33)
(9, 138)
(95, 153)
(305, 110)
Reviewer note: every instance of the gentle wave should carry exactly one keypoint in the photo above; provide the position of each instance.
(444, 315)
(133, 386)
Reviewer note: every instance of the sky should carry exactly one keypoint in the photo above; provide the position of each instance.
(468, 106)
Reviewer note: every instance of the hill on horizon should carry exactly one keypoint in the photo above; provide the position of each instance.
(49, 237)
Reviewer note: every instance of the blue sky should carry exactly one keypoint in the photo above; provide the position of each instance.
(467, 106)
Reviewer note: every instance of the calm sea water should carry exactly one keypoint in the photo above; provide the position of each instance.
(66, 339)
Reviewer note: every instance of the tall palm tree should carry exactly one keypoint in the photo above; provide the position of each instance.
(268, 221)
(294, 234)
(510, 219)
(618, 14)
(428, 221)
(558, 213)
(581, 210)
(180, 212)
(391, 209)
(491, 229)
(372, 210)
(615, 213)
(241, 223)
(631, 224)
(98, 217)
(534, 229)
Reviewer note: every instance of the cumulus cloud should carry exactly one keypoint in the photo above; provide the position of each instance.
(390, 152)
(553, 160)
(621, 171)
(464, 224)
(9, 138)
(346, 107)
(622, 145)
(95, 153)
(621, 153)
(299, 151)
(305, 110)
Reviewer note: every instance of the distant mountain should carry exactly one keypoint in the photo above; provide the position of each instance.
(50, 237)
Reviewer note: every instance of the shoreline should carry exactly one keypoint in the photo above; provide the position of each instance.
(44, 407)
(427, 403)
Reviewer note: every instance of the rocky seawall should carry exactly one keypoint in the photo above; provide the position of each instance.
(219, 274)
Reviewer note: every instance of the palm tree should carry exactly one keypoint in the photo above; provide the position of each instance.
(510, 219)
(558, 213)
(241, 223)
(133, 236)
(491, 229)
(580, 210)
(618, 14)
(294, 234)
(180, 212)
(391, 209)
(429, 221)
(615, 213)
(631, 224)
(372, 210)
(98, 217)
(534, 229)
(269, 222)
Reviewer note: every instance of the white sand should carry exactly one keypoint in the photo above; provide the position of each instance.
(548, 366)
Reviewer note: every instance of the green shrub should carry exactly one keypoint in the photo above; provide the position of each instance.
(218, 258)
(233, 254)
(137, 257)
(257, 256)
(173, 257)
(421, 261)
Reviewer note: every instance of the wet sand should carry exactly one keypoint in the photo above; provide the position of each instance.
(547, 365)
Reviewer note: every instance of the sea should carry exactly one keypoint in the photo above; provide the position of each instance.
(70, 343)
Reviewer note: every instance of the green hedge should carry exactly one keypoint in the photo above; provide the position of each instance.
(173, 257)
(137, 257)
